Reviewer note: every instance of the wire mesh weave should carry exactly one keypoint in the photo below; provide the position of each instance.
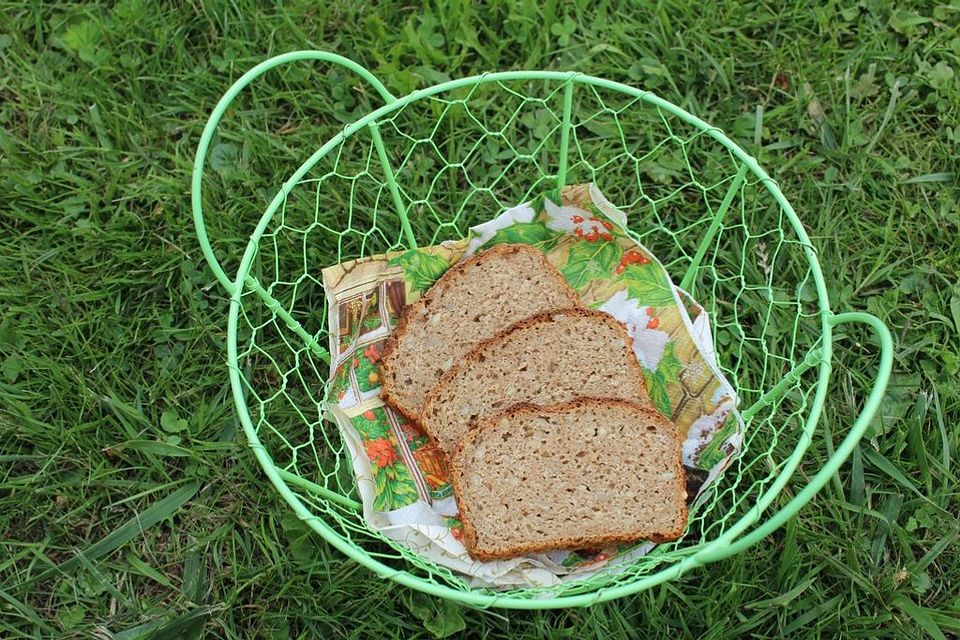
(449, 158)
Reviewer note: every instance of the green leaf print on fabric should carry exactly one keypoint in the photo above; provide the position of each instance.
(648, 284)
(589, 261)
(670, 364)
(657, 390)
(662, 379)
(372, 322)
(366, 366)
(420, 267)
(712, 454)
(537, 203)
(575, 558)
(371, 424)
(341, 381)
(395, 487)
(535, 234)
(456, 527)
(585, 557)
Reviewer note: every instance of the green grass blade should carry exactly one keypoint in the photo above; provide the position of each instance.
(891, 470)
(944, 438)
(144, 569)
(139, 632)
(17, 608)
(935, 551)
(823, 610)
(858, 492)
(919, 615)
(785, 599)
(930, 177)
(126, 532)
(184, 627)
(195, 576)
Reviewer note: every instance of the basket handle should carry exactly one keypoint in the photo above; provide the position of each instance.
(215, 116)
(842, 452)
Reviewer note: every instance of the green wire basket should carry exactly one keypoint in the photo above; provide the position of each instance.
(421, 169)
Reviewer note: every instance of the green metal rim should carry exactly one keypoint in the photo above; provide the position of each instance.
(714, 550)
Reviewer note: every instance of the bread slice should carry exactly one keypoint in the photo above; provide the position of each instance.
(473, 301)
(589, 473)
(546, 359)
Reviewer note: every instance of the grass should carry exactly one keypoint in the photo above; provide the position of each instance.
(129, 505)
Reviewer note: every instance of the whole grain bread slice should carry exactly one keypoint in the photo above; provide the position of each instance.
(471, 302)
(547, 359)
(588, 473)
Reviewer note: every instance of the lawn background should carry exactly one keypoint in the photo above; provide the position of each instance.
(112, 328)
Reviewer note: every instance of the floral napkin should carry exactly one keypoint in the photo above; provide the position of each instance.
(400, 473)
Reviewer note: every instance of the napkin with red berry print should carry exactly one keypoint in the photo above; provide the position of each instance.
(400, 473)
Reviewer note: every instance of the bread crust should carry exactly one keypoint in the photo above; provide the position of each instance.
(480, 349)
(469, 531)
(387, 373)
